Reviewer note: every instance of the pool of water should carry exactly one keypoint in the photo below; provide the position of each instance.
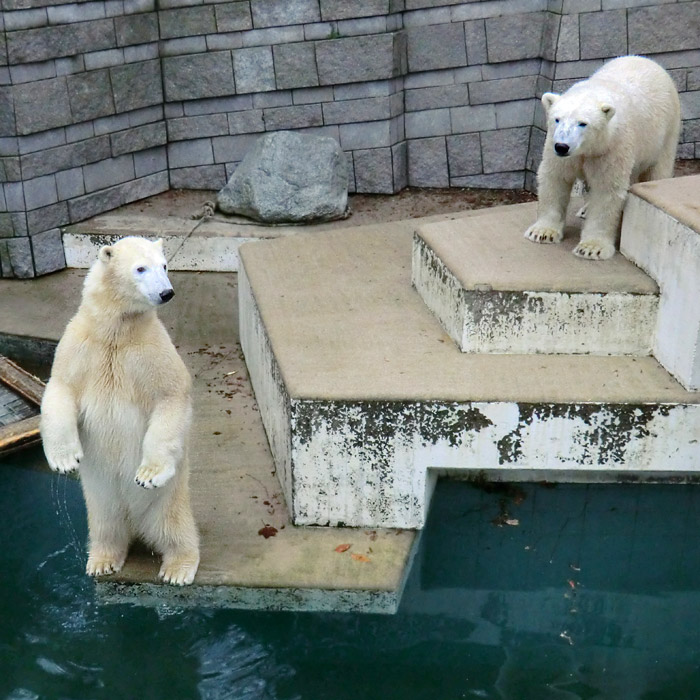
(518, 593)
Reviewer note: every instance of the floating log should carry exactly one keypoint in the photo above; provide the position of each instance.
(21, 381)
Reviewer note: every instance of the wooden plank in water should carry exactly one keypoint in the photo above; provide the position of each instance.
(19, 435)
(23, 433)
(21, 381)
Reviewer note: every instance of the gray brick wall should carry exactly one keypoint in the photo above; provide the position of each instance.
(82, 121)
(104, 102)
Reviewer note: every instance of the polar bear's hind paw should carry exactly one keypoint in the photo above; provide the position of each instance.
(595, 249)
(103, 564)
(179, 571)
(544, 234)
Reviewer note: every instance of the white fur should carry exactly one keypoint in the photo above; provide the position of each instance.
(118, 407)
(616, 128)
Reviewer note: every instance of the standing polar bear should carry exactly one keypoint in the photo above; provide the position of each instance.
(616, 128)
(118, 407)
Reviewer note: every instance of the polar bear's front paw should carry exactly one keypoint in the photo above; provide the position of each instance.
(539, 233)
(64, 458)
(179, 571)
(103, 563)
(151, 475)
(595, 249)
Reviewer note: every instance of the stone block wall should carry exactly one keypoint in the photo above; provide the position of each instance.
(103, 102)
(81, 120)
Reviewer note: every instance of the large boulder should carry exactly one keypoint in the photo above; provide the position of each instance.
(288, 177)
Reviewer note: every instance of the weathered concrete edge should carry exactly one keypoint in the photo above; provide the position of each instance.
(279, 599)
(268, 385)
(669, 251)
(185, 253)
(373, 463)
(532, 322)
(439, 288)
(654, 193)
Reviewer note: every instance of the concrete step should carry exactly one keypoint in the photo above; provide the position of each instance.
(661, 234)
(495, 292)
(366, 400)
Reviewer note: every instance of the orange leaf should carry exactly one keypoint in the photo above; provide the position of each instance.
(343, 548)
(360, 557)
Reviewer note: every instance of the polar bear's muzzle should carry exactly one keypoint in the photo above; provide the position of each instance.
(166, 295)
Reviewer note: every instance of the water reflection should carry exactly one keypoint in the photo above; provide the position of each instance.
(236, 667)
(592, 592)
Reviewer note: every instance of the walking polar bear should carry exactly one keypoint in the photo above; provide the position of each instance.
(118, 407)
(616, 128)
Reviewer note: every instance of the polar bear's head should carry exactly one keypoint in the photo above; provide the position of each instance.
(577, 124)
(135, 273)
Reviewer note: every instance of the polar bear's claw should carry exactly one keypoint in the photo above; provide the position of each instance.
(151, 476)
(66, 458)
(103, 564)
(544, 234)
(179, 572)
(595, 249)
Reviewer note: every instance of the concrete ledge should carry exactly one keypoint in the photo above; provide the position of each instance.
(292, 599)
(661, 234)
(211, 245)
(495, 292)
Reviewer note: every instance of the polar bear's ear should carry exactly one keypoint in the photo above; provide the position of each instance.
(105, 254)
(548, 99)
(607, 110)
(159, 243)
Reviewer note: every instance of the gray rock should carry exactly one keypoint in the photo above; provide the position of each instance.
(289, 177)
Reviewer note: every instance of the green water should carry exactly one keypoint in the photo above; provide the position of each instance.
(593, 593)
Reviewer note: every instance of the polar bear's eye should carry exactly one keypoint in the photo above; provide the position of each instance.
(556, 121)
(140, 270)
(165, 267)
(582, 124)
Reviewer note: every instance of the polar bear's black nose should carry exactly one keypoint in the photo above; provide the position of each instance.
(167, 295)
(561, 148)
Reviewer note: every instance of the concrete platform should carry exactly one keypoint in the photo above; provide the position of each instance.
(495, 292)
(235, 490)
(366, 399)
(661, 234)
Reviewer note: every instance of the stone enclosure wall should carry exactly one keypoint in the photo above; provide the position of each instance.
(105, 102)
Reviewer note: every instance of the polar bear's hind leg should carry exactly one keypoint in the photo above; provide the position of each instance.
(174, 535)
